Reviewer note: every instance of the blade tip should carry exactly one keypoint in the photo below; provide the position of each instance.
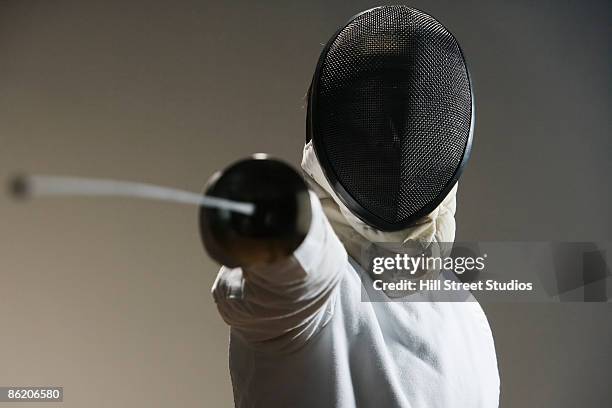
(19, 187)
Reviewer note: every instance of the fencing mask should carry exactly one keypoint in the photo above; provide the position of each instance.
(391, 115)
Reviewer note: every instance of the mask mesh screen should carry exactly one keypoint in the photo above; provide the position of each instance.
(393, 110)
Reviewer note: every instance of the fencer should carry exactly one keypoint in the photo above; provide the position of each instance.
(389, 131)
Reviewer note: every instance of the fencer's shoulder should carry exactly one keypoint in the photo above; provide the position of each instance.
(229, 284)
(321, 249)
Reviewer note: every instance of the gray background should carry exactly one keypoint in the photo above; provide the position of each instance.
(110, 298)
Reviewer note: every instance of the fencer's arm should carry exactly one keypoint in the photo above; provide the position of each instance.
(282, 264)
(280, 306)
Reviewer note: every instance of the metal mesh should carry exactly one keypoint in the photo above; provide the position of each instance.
(393, 111)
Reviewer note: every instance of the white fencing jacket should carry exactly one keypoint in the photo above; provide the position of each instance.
(301, 336)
